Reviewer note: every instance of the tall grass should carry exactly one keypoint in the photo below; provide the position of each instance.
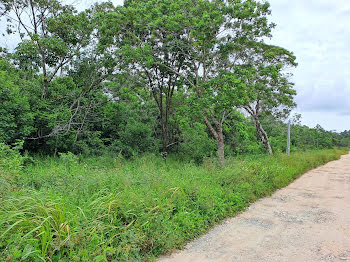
(108, 209)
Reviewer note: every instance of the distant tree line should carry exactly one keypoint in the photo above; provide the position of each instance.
(193, 78)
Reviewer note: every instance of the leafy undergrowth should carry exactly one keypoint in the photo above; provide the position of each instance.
(104, 209)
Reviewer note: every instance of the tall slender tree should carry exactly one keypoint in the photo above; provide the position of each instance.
(270, 90)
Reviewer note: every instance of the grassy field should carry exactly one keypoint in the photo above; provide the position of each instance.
(104, 209)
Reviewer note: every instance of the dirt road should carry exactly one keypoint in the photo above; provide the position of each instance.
(307, 221)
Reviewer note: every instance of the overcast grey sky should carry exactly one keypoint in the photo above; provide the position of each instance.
(318, 32)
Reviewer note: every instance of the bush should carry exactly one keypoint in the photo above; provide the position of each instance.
(135, 139)
(11, 164)
(11, 160)
(196, 144)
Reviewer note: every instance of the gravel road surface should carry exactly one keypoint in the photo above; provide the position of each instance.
(307, 221)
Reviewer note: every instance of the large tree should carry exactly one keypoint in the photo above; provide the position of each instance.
(142, 36)
(217, 32)
(182, 44)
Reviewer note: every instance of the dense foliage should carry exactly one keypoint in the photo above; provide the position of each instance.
(106, 209)
(191, 78)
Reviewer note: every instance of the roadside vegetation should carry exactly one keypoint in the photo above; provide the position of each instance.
(105, 209)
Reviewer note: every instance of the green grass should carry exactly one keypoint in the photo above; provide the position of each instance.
(105, 209)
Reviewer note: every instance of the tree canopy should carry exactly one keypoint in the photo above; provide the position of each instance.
(188, 78)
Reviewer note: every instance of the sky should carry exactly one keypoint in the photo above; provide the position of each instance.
(318, 32)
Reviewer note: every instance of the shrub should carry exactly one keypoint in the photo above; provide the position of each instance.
(196, 143)
(11, 164)
(11, 161)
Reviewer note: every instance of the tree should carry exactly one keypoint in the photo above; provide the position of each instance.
(52, 34)
(56, 46)
(213, 32)
(218, 98)
(142, 34)
(270, 90)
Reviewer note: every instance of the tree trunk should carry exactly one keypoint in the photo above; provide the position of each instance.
(218, 134)
(263, 137)
(46, 82)
(45, 88)
(221, 147)
(267, 143)
(165, 140)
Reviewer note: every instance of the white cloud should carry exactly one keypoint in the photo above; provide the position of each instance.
(318, 32)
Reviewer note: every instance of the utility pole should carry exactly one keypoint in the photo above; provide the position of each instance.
(288, 139)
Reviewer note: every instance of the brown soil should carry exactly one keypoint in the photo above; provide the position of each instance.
(307, 221)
